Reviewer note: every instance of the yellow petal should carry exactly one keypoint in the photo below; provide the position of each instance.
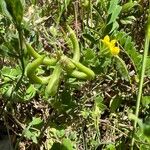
(113, 42)
(115, 50)
(106, 40)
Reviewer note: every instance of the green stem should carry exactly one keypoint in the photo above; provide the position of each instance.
(21, 55)
(146, 48)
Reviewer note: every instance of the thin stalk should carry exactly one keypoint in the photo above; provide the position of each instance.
(146, 48)
(76, 16)
(91, 16)
(21, 56)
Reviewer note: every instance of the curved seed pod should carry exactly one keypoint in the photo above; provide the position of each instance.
(79, 75)
(38, 79)
(54, 81)
(50, 61)
(33, 53)
(67, 65)
(74, 41)
(87, 71)
(30, 71)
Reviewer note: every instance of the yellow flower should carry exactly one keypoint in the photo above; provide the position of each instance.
(115, 50)
(111, 45)
(106, 40)
(113, 42)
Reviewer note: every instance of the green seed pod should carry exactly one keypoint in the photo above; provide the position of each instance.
(79, 75)
(90, 74)
(67, 65)
(49, 61)
(54, 81)
(33, 53)
(74, 41)
(30, 71)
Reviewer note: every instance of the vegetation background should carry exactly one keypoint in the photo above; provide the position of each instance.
(75, 74)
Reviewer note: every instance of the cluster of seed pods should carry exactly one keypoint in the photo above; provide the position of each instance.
(62, 64)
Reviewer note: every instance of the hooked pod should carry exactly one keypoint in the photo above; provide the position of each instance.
(75, 44)
(34, 54)
(31, 71)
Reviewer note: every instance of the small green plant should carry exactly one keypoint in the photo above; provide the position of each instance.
(30, 132)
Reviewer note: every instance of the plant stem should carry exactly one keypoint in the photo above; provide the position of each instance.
(21, 56)
(146, 48)
(91, 17)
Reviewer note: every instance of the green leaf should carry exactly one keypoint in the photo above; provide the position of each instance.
(115, 103)
(15, 8)
(57, 146)
(60, 133)
(30, 92)
(28, 134)
(34, 139)
(8, 92)
(115, 25)
(113, 5)
(3, 9)
(10, 73)
(115, 14)
(67, 144)
(35, 121)
(99, 103)
(146, 130)
(129, 46)
(145, 101)
(89, 54)
(110, 147)
(122, 68)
